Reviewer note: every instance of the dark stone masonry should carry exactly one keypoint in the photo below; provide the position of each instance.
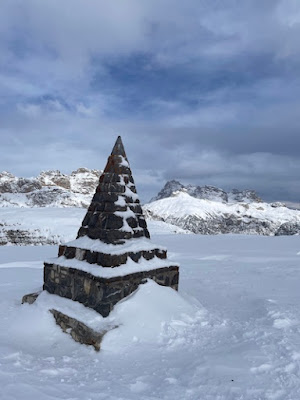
(98, 293)
(115, 218)
(112, 254)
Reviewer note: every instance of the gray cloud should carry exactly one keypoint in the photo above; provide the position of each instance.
(203, 91)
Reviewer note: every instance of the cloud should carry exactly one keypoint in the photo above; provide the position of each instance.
(204, 91)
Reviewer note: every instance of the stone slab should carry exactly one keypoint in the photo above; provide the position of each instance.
(78, 330)
(109, 260)
(30, 298)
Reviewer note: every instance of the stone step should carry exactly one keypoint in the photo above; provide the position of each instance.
(109, 260)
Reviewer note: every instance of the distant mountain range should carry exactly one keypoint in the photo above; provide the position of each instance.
(49, 189)
(209, 210)
(208, 193)
(195, 209)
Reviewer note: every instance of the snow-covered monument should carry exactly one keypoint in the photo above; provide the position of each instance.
(113, 253)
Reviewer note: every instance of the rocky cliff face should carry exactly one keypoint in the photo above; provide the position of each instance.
(208, 193)
(49, 189)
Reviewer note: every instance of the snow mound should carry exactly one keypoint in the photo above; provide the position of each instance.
(153, 314)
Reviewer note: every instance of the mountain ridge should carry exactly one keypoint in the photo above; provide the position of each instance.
(49, 189)
(209, 210)
(208, 192)
(195, 209)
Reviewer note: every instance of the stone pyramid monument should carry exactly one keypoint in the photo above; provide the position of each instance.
(113, 253)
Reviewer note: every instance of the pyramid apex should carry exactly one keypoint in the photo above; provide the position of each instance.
(118, 149)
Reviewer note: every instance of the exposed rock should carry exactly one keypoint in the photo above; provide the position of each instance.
(207, 193)
(78, 330)
(49, 188)
(245, 196)
(30, 298)
(10, 184)
(278, 204)
(288, 228)
(212, 217)
(167, 191)
(25, 237)
(54, 178)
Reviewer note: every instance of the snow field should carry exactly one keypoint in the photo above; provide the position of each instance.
(232, 331)
(55, 225)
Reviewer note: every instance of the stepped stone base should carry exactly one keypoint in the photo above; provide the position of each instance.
(101, 294)
(109, 260)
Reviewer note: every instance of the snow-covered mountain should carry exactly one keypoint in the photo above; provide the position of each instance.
(49, 189)
(209, 210)
(177, 208)
(208, 193)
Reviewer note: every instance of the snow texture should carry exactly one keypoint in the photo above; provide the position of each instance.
(132, 245)
(130, 267)
(231, 333)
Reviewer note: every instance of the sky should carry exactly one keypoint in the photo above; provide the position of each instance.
(206, 92)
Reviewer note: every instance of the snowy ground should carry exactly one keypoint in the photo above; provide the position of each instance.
(53, 225)
(233, 332)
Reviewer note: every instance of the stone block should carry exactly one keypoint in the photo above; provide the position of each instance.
(78, 330)
(91, 256)
(69, 252)
(137, 233)
(136, 208)
(162, 254)
(113, 222)
(112, 207)
(142, 222)
(61, 250)
(30, 298)
(80, 254)
(148, 255)
(111, 260)
(135, 256)
(132, 222)
(87, 218)
(100, 197)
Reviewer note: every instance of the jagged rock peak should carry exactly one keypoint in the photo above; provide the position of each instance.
(167, 191)
(246, 196)
(207, 192)
(115, 214)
